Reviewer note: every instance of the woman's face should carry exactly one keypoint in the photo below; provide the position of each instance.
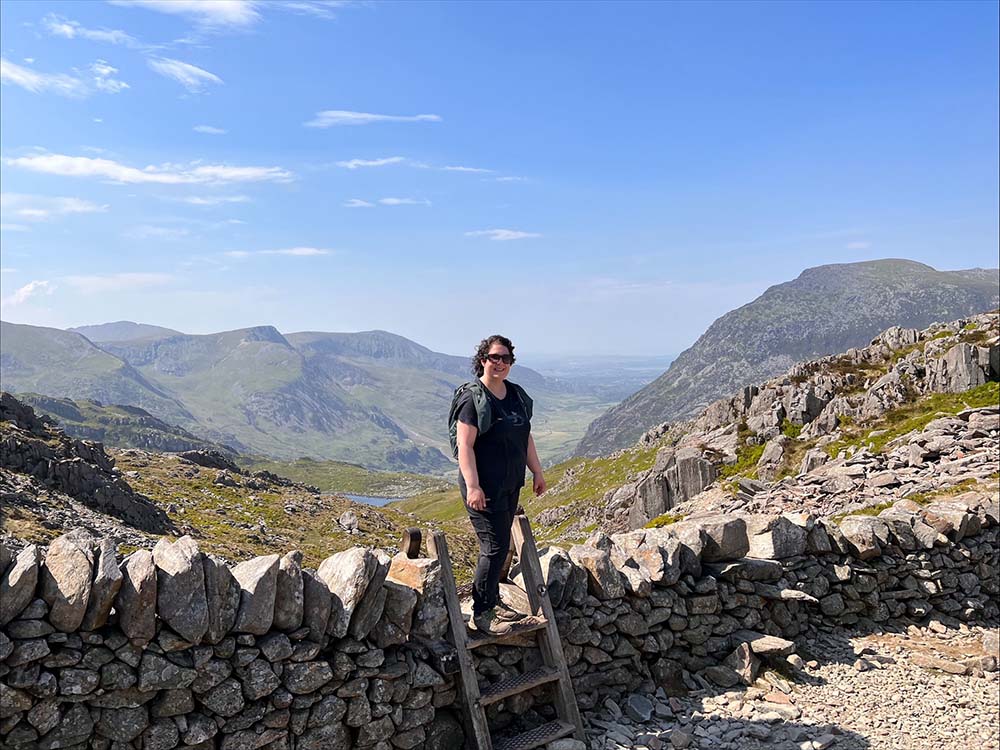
(497, 369)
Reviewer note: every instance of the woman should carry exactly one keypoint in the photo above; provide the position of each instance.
(494, 446)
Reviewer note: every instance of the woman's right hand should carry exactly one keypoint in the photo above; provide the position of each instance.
(476, 498)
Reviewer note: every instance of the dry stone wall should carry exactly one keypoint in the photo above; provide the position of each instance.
(171, 647)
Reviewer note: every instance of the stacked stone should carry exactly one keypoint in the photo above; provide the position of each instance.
(174, 648)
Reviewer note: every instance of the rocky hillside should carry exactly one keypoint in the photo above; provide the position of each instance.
(914, 413)
(826, 310)
(120, 426)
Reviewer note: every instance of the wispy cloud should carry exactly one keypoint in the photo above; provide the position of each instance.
(298, 252)
(14, 228)
(42, 207)
(8, 270)
(116, 282)
(474, 170)
(317, 8)
(403, 202)
(503, 234)
(331, 117)
(214, 200)
(68, 29)
(98, 77)
(191, 77)
(512, 179)
(209, 130)
(359, 163)
(26, 292)
(164, 174)
(357, 203)
(215, 14)
(858, 245)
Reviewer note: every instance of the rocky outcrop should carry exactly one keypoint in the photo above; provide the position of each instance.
(78, 468)
(811, 402)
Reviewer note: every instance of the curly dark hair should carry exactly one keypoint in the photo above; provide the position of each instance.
(484, 348)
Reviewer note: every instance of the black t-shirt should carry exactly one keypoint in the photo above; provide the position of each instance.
(501, 451)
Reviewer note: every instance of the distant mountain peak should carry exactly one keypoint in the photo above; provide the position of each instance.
(826, 309)
(123, 330)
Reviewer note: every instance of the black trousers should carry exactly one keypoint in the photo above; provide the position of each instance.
(493, 530)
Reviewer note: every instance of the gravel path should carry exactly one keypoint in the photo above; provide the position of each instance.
(853, 693)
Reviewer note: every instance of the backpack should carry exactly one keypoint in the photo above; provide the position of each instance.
(484, 412)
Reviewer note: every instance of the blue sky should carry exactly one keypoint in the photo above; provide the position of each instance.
(584, 177)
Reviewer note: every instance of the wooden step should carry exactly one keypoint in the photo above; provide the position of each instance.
(538, 736)
(525, 627)
(518, 684)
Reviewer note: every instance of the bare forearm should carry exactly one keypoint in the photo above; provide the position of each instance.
(467, 465)
(533, 463)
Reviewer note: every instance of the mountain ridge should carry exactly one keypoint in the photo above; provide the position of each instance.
(826, 309)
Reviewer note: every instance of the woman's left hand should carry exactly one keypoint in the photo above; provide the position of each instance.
(538, 483)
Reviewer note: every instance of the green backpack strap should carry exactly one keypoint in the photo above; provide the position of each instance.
(524, 398)
(484, 412)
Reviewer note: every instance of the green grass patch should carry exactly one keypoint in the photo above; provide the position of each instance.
(665, 519)
(747, 456)
(790, 429)
(338, 476)
(914, 416)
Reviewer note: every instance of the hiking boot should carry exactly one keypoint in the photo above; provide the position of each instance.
(492, 622)
(507, 614)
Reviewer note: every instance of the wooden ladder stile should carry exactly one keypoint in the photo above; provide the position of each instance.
(538, 629)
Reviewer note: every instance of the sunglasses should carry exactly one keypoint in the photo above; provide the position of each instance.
(507, 359)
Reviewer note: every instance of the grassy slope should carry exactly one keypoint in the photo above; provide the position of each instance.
(337, 476)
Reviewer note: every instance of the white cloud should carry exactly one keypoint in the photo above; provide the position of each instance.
(208, 130)
(474, 170)
(214, 200)
(213, 13)
(26, 292)
(503, 234)
(164, 174)
(512, 179)
(403, 202)
(116, 282)
(14, 228)
(191, 77)
(318, 8)
(64, 27)
(859, 245)
(330, 117)
(8, 270)
(299, 252)
(98, 77)
(358, 163)
(39, 82)
(43, 207)
(358, 203)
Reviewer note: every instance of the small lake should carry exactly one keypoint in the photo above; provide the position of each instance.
(370, 500)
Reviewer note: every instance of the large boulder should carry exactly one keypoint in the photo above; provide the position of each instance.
(66, 578)
(397, 615)
(962, 367)
(107, 581)
(258, 579)
(603, 579)
(316, 603)
(775, 537)
(369, 609)
(865, 535)
(136, 600)
(222, 593)
(722, 537)
(423, 575)
(347, 574)
(17, 586)
(288, 597)
(180, 588)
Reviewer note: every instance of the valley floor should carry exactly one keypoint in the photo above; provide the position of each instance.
(856, 692)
